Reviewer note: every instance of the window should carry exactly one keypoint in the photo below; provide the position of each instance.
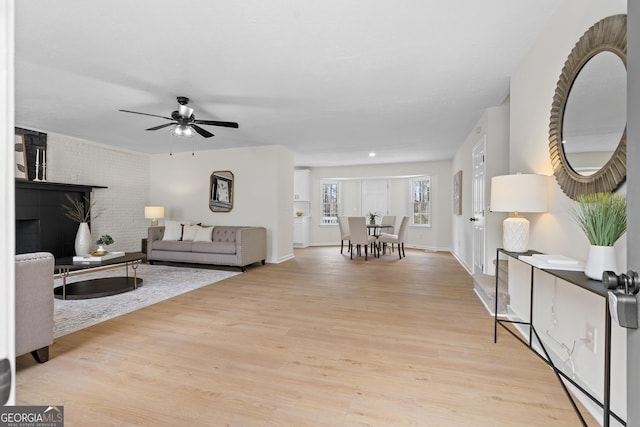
(421, 200)
(330, 192)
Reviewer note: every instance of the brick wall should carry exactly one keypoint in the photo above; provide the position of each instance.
(126, 174)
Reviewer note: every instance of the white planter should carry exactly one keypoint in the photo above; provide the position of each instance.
(83, 240)
(600, 259)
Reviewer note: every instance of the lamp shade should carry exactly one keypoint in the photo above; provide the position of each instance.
(519, 193)
(153, 212)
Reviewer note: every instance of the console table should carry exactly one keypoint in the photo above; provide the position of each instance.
(579, 279)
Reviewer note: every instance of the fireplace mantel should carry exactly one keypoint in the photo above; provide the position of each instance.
(55, 186)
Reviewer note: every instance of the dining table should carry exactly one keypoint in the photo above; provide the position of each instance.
(377, 228)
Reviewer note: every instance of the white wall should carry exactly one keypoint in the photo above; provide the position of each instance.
(125, 173)
(263, 189)
(493, 126)
(532, 89)
(263, 185)
(437, 237)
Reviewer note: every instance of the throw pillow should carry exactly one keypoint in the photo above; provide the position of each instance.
(172, 230)
(203, 234)
(189, 232)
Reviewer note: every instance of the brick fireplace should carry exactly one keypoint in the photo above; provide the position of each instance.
(40, 221)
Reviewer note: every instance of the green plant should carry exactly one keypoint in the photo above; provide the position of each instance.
(602, 217)
(373, 216)
(105, 239)
(75, 209)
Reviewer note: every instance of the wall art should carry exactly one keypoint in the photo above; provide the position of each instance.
(221, 191)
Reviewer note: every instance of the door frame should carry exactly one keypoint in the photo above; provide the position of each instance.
(7, 183)
(633, 198)
(479, 248)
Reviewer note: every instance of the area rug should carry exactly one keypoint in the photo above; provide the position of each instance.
(160, 282)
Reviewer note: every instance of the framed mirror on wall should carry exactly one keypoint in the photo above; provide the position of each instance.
(587, 127)
(221, 191)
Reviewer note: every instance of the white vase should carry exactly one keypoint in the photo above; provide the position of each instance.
(600, 259)
(83, 239)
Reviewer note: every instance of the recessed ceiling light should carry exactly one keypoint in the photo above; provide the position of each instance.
(372, 154)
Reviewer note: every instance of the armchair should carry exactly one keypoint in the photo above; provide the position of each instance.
(34, 304)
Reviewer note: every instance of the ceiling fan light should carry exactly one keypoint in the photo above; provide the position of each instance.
(183, 130)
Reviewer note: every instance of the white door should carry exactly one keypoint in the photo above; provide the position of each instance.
(375, 196)
(477, 202)
(7, 211)
(633, 203)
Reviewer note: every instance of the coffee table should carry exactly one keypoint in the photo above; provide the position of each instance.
(96, 288)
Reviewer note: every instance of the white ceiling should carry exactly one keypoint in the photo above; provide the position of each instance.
(331, 80)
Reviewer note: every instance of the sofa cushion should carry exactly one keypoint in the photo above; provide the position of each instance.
(189, 232)
(172, 245)
(225, 234)
(203, 234)
(214, 247)
(172, 230)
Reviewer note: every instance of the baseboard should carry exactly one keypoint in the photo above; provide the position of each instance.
(281, 259)
(462, 263)
(489, 310)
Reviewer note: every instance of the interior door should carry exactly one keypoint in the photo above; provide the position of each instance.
(633, 199)
(477, 202)
(7, 210)
(375, 196)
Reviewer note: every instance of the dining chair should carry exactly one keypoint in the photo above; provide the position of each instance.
(344, 232)
(358, 235)
(398, 239)
(388, 220)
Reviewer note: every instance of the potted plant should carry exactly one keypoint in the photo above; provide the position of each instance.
(373, 216)
(603, 218)
(104, 240)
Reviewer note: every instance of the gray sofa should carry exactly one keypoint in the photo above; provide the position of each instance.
(34, 304)
(229, 246)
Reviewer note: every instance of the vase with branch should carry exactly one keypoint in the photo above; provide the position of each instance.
(603, 219)
(75, 211)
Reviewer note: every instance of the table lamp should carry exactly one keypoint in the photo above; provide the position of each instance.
(518, 193)
(153, 213)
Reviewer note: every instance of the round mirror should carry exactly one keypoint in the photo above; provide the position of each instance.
(596, 114)
(587, 135)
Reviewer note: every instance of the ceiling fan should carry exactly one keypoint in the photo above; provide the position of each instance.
(184, 122)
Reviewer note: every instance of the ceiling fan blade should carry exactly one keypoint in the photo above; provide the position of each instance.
(146, 114)
(216, 123)
(161, 126)
(201, 131)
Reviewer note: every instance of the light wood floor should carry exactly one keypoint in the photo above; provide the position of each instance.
(320, 340)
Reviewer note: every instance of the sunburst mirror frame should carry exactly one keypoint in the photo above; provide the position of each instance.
(607, 35)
